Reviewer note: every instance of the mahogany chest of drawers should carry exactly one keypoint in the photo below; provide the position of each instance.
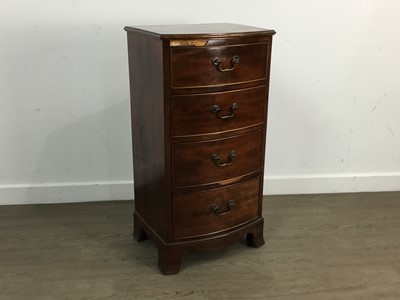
(199, 96)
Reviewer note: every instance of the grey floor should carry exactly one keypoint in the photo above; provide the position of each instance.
(339, 246)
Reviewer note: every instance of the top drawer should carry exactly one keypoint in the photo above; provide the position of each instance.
(221, 65)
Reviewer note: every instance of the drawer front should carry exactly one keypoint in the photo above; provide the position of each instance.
(214, 161)
(217, 210)
(208, 66)
(217, 112)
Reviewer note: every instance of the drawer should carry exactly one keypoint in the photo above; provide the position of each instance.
(217, 210)
(222, 65)
(217, 112)
(218, 160)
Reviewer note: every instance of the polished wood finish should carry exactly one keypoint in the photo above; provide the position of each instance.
(196, 31)
(193, 164)
(185, 65)
(196, 109)
(148, 132)
(199, 105)
(192, 215)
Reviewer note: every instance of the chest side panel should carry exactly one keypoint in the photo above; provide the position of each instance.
(148, 131)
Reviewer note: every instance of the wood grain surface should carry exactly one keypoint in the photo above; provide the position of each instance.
(193, 164)
(192, 114)
(193, 215)
(192, 66)
(171, 85)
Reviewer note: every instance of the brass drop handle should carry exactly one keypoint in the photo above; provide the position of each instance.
(216, 109)
(217, 62)
(216, 159)
(216, 209)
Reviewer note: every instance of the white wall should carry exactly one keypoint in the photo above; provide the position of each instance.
(64, 95)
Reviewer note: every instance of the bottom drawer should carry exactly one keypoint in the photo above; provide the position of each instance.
(212, 211)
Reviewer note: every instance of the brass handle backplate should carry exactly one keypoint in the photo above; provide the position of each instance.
(216, 209)
(216, 61)
(216, 109)
(216, 159)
